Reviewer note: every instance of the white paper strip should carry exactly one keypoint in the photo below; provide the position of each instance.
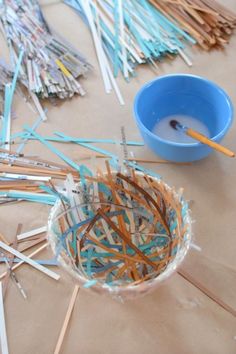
(38, 106)
(26, 177)
(3, 334)
(22, 262)
(98, 46)
(30, 261)
(31, 233)
(122, 33)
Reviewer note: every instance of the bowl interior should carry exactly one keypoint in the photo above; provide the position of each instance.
(184, 95)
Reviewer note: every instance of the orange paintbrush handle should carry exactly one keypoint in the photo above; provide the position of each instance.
(203, 139)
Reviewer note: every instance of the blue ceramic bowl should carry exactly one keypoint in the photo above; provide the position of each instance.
(182, 95)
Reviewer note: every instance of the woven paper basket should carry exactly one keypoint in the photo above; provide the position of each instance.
(148, 214)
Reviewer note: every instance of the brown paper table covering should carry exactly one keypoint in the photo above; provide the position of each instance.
(176, 318)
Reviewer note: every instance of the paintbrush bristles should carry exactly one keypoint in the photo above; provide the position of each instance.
(175, 124)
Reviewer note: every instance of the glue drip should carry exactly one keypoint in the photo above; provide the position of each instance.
(163, 129)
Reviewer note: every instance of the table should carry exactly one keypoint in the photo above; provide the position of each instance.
(177, 317)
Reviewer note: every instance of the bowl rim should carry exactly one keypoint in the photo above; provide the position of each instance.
(191, 76)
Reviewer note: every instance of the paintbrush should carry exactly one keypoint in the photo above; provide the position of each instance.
(200, 137)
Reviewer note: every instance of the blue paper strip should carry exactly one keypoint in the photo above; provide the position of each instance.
(53, 149)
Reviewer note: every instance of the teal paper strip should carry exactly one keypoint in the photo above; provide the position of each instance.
(90, 283)
(49, 199)
(52, 192)
(116, 27)
(7, 108)
(9, 93)
(27, 136)
(16, 73)
(173, 226)
(76, 140)
(90, 147)
(89, 254)
(141, 168)
(52, 148)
